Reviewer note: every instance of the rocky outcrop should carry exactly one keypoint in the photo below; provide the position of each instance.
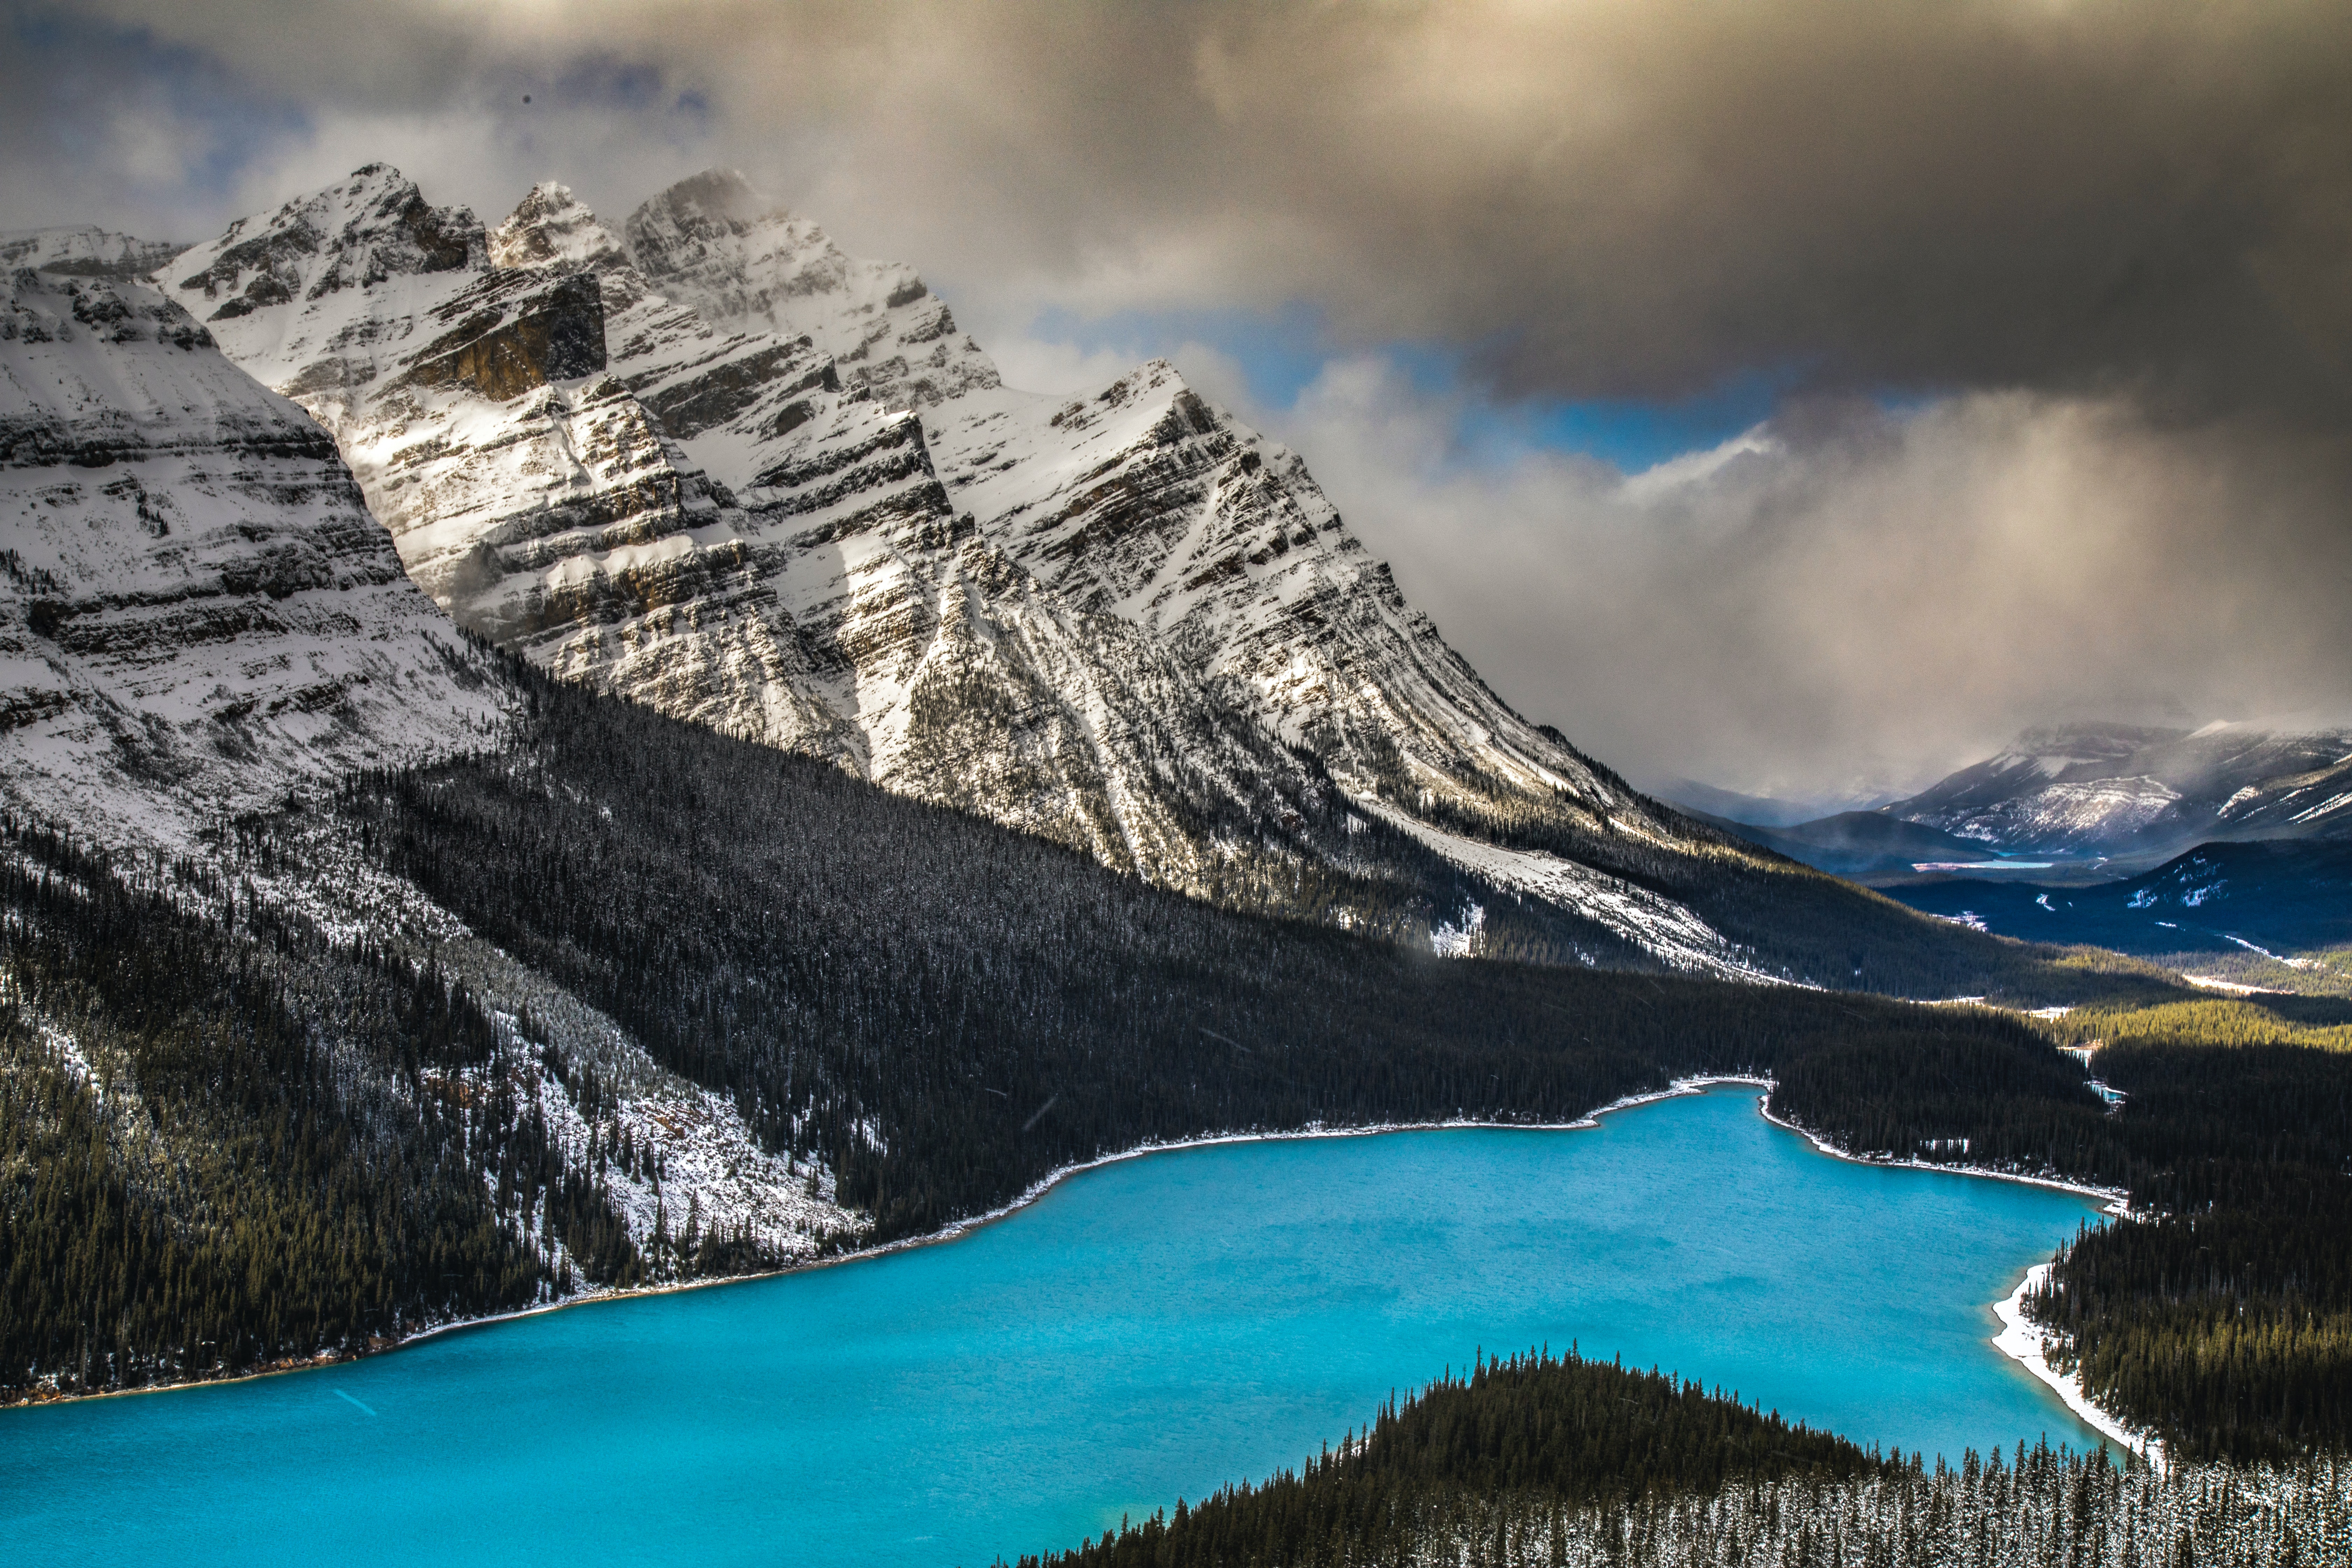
(197, 611)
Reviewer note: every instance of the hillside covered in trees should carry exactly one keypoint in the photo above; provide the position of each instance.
(2220, 1315)
(1537, 1462)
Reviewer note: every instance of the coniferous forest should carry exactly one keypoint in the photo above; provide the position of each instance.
(1537, 1462)
(306, 1140)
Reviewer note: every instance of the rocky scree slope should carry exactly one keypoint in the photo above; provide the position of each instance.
(757, 484)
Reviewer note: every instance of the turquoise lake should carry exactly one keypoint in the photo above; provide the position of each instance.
(1150, 1329)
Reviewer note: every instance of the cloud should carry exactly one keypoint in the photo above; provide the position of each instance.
(1850, 596)
(2089, 195)
(2053, 297)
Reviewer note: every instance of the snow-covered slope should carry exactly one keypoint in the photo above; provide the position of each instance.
(713, 243)
(2125, 790)
(198, 616)
(196, 612)
(1148, 502)
(84, 251)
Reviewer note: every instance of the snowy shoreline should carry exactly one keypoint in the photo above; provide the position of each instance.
(2018, 1339)
(2028, 1355)
(2022, 1343)
(2118, 1201)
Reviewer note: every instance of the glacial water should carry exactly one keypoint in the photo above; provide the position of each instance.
(1153, 1328)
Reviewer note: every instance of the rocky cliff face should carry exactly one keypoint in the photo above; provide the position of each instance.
(197, 611)
(1147, 502)
(711, 463)
(198, 616)
(717, 522)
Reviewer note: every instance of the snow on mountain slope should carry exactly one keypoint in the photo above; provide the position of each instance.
(2125, 790)
(1147, 502)
(1105, 620)
(84, 251)
(715, 244)
(196, 612)
(1656, 924)
(198, 616)
(757, 484)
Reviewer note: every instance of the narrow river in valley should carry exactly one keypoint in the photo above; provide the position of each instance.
(1154, 1328)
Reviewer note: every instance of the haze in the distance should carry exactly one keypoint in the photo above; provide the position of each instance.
(1796, 397)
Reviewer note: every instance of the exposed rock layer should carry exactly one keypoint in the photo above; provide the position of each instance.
(197, 611)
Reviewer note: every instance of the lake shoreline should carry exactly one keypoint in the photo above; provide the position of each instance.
(2023, 1343)
(956, 1229)
(953, 1230)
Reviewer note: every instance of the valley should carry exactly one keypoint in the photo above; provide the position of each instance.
(547, 760)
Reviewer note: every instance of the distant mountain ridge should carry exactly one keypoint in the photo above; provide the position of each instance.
(2122, 790)
(85, 250)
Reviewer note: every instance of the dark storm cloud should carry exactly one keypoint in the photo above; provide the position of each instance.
(2096, 255)
(1603, 198)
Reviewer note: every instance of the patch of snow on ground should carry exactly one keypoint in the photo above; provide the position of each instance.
(2023, 1342)
(1659, 926)
(2215, 983)
(2266, 952)
(1453, 943)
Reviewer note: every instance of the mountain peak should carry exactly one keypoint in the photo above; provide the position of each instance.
(550, 227)
(85, 250)
(746, 265)
(721, 195)
(371, 227)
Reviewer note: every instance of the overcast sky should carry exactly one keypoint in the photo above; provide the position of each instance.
(1797, 396)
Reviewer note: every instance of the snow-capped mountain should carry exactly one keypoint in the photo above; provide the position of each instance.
(197, 611)
(199, 620)
(2119, 789)
(716, 523)
(1145, 503)
(762, 485)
